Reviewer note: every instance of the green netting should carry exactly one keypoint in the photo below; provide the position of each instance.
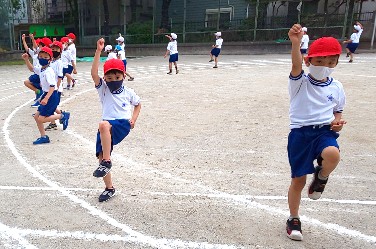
(90, 59)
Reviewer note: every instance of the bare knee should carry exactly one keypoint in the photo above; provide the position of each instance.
(104, 126)
(331, 155)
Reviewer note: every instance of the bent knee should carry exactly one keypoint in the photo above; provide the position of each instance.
(104, 126)
(331, 154)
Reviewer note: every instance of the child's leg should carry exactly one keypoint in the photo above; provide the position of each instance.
(170, 66)
(105, 134)
(40, 120)
(29, 85)
(216, 61)
(107, 179)
(295, 194)
(176, 66)
(331, 157)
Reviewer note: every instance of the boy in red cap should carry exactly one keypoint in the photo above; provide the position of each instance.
(316, 104)
(49, 99)
(117, 117)
(353, 42)
(69, 64)
(72, 48)
(57, 65)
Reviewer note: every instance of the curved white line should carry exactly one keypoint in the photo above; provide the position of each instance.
(8, 234)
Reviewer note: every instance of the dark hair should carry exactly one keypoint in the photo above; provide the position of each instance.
(114, 71)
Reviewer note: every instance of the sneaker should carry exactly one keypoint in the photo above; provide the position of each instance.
(68, 87)
(64, 120)
(103, 169)
(350, 61)
(60, 120)
(215, 66)
(348, 54)
(42, 140)
(38, 95)
(36, 104)
(107, 194)
(131, 79)
(169, 73)
(73, 83)
(211, 60)
(317, 186)
(294, 229)
(177, 71)
(51, 126)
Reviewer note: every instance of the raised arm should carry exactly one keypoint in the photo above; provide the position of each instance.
(25, 56)
(295, 35)
(35, 45)
(24, 42)
(95, 66)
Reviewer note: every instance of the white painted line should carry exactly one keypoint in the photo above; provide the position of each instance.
(8, 236)
(7, 89)
(13, 95)
(250, 63)
(45, 188)
(360, 75)
(259, 197)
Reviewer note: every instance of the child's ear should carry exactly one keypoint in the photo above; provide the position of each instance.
(306, 61)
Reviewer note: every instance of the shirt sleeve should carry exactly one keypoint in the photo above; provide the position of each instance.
(60, 69)
(31, 52)
(37, 70)
(295, 83)
(341, 100)
(134, 98)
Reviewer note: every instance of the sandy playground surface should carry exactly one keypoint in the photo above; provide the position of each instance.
(205, 167)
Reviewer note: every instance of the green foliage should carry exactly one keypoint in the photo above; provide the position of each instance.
(139, 33)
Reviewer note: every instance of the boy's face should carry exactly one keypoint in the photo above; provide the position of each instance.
(325, 61)
(55, 48)
(114, 76)
(44, 55)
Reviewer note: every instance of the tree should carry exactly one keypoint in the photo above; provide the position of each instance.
(164, 27)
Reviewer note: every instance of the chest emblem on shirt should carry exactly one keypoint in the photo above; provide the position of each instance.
(330, 97)
(123, 105)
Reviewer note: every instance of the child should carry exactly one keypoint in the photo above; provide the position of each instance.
(57, 65)
(117, 118)
(110, 53)
(120, 54)
(216, 49)
(72, 48)
(69, 64)
(120, 42)
(172, 49)
(353, 42)
(316, 105)
(33, 83)
(304, 43)
(49, 99)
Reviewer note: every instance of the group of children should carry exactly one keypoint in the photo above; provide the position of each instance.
(352, 43)
(316, 105)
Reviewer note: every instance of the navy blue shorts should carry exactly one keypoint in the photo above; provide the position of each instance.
(125, 65)
(303, 50)
(49, 109)
(305, 145)
(215, 51)
(173, 57)
(35, 81)
(352, 47)
(67, 70)
(119, 130)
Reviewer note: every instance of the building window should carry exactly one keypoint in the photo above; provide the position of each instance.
(211, 17)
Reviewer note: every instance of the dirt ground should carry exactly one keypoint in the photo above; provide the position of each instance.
(205, 167)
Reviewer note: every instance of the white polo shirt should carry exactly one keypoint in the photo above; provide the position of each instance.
(72, 49)
(219, 42)
(57, 66)
(172, 46)
(47, 78)
(304, 42)
(355, 37)
(117, 105)
(313, 102)
(66, 58)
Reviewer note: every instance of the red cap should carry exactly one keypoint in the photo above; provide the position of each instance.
(72, 36)
(113, 64)
(37, 41)
(325, 46)
(46, 50)
(64, 40)
(57, 44)
(46, 41)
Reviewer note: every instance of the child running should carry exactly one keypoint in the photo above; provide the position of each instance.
(120, 54)
(117, 118)
(172, 49)
(353, 42)
(69, 64)
(304, 43)
(316, 104)
(216, 49)
(49, 100)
